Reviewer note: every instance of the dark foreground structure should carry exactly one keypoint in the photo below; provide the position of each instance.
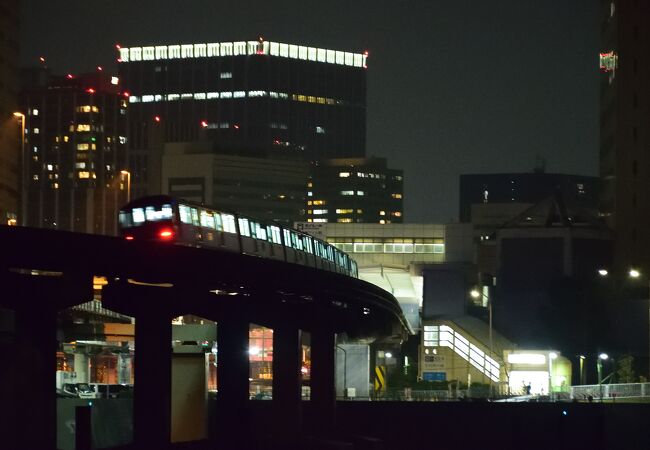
(44, 271)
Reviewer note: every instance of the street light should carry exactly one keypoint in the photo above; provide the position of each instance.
(23, 190)
(599, 366)
(128, 184)
(634, 273)
(486, 301)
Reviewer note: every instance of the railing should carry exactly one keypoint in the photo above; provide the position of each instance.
(610, 391)
(95, 307)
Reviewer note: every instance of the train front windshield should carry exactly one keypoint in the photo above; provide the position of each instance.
(151, 221)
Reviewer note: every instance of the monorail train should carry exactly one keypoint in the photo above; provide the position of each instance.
(164, 218)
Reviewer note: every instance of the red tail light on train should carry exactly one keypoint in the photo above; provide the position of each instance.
(166, 234)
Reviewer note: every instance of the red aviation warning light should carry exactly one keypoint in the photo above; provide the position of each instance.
(204, 123)
(90, 90)
(156, 118)
(128, 238)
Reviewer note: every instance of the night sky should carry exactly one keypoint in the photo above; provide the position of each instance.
(453, 86)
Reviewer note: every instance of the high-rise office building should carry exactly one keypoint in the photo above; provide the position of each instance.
(624, 131)
(10, 126)
(355, 190)
(250, 98)
(75, 151)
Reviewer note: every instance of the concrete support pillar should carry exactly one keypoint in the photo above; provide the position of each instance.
(81, 366)
(323, 391)
(34, 367)
(152, 402)
(232, 381)
(124, 367)
(287, 391)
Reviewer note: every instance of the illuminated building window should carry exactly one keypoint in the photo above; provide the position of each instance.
(122, 140)
(320, 212)
(382, 221)
(87, 109)
(83, 127)
(310, 184)
(397, 178)
(344, 220)
(34, 112)
(361, 193)
(37, 131)
(309, 203)
(56, 138)
(362, 175)
(396, 195)
(239, 94)
(321, 220)
(319, 202)
(359, 211)
(115, 80)
(65, 139)
(344, 174)
(80, 165)
(382, 213)
(226, 95)
(320, 130)
(35, 177)
(347, 192)
(84, 174)
(344, 211)
(82, 147)
(310, 194)
(49, 167)
(396, 214)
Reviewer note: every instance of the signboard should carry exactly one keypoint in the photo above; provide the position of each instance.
(433, 363)
(434, 376)
(315, 229)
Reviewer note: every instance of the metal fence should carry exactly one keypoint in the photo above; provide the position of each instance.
(610, 391)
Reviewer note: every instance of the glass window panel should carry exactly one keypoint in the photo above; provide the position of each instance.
(244, 228)
(138, 215)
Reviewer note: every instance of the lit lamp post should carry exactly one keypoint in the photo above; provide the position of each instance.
(634, 274)
(475, 293)
(128, 184)
(551, 357)
(23, 188)
(599, 368)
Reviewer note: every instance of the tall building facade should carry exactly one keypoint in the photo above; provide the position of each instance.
(624, 128)
(10, 126)
(76, 155)
(265, 188)
(249, 98)
(355, 190)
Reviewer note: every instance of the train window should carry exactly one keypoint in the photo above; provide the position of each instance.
(152, 214)
(296, 241)
(207, 220)
(228, 221)
(308, 245)
(330, 254)
(184, 212)
(274, 234)
(125, 219)
(138, 215)
(258, 231)
(217, 222)
(195, 217)
(244, 229)
(287, 237)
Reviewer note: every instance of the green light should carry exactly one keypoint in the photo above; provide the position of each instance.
(93, 139)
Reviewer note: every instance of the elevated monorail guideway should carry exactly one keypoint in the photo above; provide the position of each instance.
(297, 283)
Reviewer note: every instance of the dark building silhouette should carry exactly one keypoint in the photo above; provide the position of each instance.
(76, 151)
(10, 126)
(522, 190)
(355, 190)
(250, 98)
(624, 131)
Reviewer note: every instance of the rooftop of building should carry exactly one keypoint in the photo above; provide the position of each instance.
(241, 48)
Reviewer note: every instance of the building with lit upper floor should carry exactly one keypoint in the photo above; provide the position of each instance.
(624, 131)
(256, 99)
(355, 190)
(10, 126)
(76, 157)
